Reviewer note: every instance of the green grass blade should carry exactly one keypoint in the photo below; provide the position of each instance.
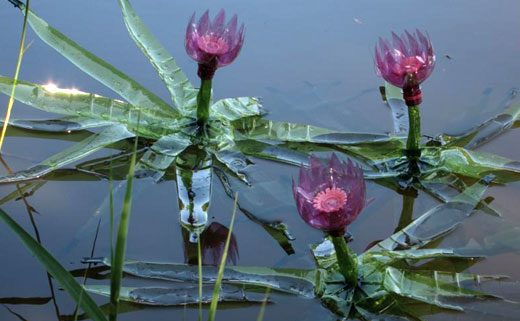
(62, 276)
(118, 260)
(172, 76)
(218, 283)
(16, 72)
(264, 304)
(97, 68)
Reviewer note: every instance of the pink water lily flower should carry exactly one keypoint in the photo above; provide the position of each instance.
(329, 196)
(407, 61)
(213, 44)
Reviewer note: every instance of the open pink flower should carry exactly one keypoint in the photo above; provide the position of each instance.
(407, 61)
(329, 196)
(212, 43)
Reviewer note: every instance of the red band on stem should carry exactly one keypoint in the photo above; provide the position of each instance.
(207, 70)
(412, 95)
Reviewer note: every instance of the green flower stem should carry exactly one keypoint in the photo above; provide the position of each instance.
(203, 99)
(346, 260)
(414, 133)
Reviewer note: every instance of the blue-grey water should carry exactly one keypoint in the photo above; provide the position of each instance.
(311, 62)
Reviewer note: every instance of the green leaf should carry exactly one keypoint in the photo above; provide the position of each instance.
(55, 269)
(432, 289)
(172, 76)
(61, 125)
(262, 129)
(87, 146)
(160, 296)
(99, 69)
(294, 281)
(479, 164)
(152, 124)
(162, 154)
(236, 108)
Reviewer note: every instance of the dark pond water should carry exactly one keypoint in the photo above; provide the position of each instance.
(312, 63)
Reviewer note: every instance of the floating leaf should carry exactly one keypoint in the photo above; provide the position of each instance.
(478, 164)
(172, 76)
(178, 296)
(262, 129)
(93, 143)
(60, 125)
(295, 281)
(236, 108)
(432, 289)
(162, 154)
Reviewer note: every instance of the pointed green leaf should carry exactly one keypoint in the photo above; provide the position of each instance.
(172, 76)
(99, 69)
(236, 108)
(149, 123)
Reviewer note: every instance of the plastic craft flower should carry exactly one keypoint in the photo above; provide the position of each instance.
(407, 61)
(330, 195)
(212, 43)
